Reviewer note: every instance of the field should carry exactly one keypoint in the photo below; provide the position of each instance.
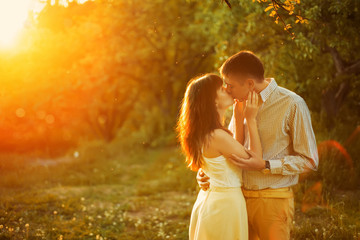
(99, 193)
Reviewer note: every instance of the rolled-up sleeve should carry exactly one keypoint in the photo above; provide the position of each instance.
(305, 154)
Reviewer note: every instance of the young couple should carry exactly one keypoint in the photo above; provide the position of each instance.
(245, 172)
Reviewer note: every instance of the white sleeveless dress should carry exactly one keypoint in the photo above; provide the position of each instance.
(219, 213)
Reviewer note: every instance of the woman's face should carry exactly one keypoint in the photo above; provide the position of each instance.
(223, 99)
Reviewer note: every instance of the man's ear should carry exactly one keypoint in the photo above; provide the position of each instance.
(251, 83)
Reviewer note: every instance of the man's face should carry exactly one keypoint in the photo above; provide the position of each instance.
(238, 86)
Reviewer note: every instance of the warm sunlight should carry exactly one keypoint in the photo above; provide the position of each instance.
(13, 15)
(106, 107)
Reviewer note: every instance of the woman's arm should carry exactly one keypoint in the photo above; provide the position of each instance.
(251, 109)
(226, 145)
(255, 162)
(238, 112)
(223, 143)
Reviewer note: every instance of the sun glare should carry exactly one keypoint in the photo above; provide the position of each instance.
(13, 14)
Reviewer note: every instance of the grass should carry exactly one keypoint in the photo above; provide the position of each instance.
(108, 193)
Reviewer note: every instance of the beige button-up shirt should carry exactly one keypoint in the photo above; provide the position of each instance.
(286, 136)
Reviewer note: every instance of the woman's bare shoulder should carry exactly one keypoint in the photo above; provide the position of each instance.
(215, 140)
(226, 144)
(220, 134)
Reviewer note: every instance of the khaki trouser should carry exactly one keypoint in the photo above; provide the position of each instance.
(270, 213)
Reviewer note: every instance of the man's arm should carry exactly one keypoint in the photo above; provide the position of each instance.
(305, 155)
(303, 141)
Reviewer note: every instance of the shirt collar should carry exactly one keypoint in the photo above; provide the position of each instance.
(266, 92)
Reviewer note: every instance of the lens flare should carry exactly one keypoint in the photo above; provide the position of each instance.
(325, 146)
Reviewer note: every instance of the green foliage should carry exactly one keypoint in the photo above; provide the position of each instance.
(110, 65)
(102, 64)
(320, 64)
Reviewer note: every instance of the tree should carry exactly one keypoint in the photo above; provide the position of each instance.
(320, 53)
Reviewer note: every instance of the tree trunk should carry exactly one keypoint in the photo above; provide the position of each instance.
(334, 97)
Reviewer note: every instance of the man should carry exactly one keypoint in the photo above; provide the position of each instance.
(288, 143)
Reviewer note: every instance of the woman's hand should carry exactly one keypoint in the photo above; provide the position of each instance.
(238, 110)
(252, 106)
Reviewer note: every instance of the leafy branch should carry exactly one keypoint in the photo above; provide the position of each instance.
(287, 6)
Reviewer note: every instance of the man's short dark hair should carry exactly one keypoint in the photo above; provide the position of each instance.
(245, 63)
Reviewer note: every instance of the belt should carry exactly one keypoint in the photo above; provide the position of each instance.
(269, 193)
(225, 189)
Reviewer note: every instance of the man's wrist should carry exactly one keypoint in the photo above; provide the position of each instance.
(267, 164)
(276, 166)
(266, 168)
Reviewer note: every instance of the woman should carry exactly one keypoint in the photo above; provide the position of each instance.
(220, 211)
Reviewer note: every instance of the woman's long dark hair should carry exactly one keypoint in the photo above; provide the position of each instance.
(198, 117)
